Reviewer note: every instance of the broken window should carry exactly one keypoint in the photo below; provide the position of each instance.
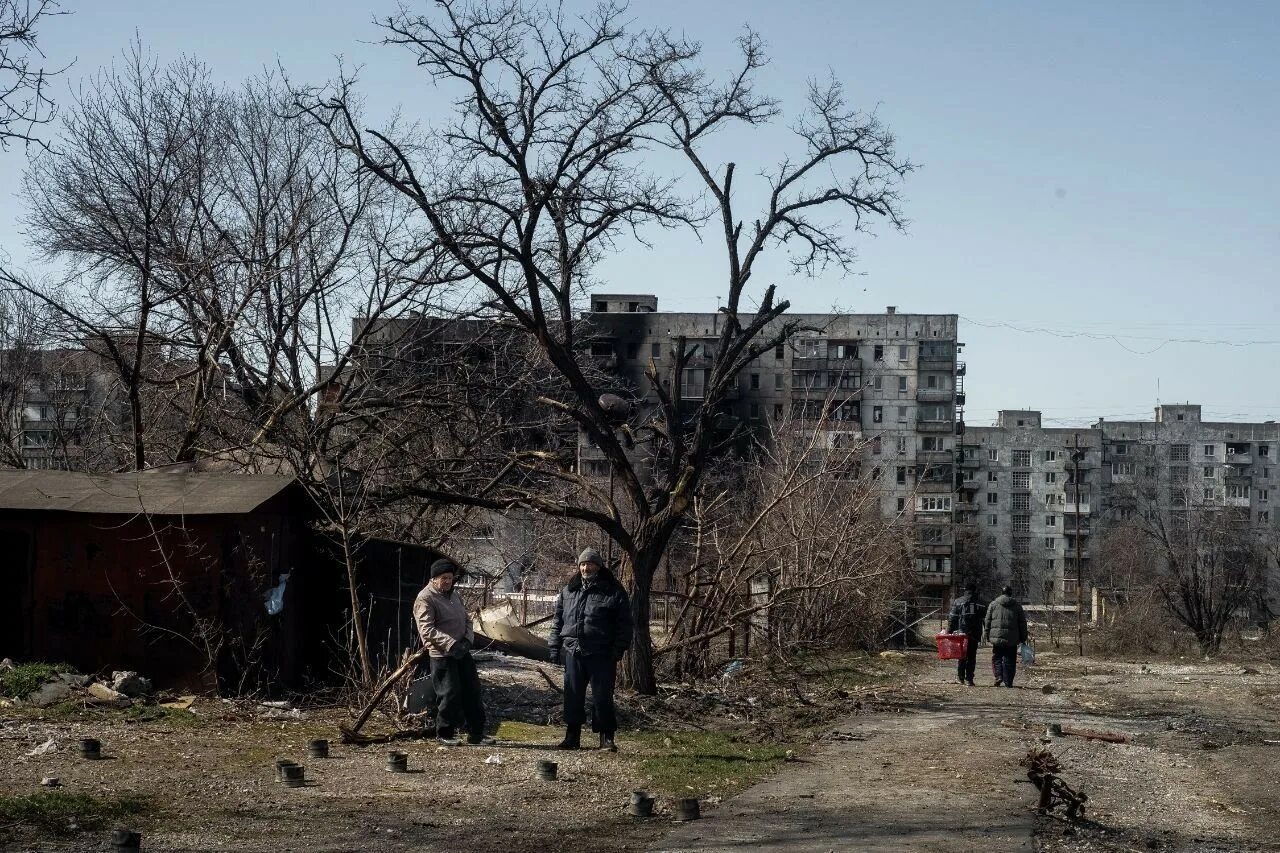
(1050, 543)
(878, 352)
(655, 350)
(993, 520)
(1050, 521)
(755, 380)
(1021, 458)
(1051, 477)
(1179, 452)
(993, 477)
(1209, 472)
(1021, 523)
(778, 381)
(1021, 503)
(1022, 479)
(1050, 456)
(1121, 469)
(877, 414)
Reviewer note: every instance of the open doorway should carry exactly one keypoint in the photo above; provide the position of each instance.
(17, 589)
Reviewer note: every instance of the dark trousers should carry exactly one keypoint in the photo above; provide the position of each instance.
(967, 664)
(458, 696)
(598, 671)
(1004, 662)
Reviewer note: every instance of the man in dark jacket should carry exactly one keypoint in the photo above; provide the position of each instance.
(1006, 628)
(967, 616)
(590, 634)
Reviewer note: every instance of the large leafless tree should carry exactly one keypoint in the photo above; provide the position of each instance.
(550, 162)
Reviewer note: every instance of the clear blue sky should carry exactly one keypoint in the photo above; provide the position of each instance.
(1092, 168)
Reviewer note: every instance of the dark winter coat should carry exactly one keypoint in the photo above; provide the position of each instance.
(968, 613)
(592, 618)
(1006, 624)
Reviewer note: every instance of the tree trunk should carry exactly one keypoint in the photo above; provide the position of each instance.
(637, 670)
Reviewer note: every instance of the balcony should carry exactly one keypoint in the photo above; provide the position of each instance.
(935, 457)
(969, 461)
(947, 427)
(936, 362)
(1238, 501)
(1069, 509)
(933, 549)
(933, 578)
(1239, 458)
(934, 395)
(933, 487)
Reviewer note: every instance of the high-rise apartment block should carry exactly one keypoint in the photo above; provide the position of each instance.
(890, 380)
(1028, 497)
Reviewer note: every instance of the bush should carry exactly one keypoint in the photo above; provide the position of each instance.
(26, 678)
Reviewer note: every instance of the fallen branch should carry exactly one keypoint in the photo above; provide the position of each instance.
(1088, 734)
(351, 734)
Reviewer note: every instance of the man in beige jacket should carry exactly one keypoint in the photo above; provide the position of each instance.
(445, 628)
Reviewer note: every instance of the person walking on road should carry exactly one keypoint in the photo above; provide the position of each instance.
(967, 617)
(1005, 629)
(590, 633)
(445, 628)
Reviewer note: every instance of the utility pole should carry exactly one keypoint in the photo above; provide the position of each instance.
(1076, 455)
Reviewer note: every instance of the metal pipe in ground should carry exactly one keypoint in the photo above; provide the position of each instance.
(126, 839)
(641, 804)
(281, 764)
(318, 749)
(294, 776)
(687, 809)
(90, 748)
(397, 762)
(547, 770)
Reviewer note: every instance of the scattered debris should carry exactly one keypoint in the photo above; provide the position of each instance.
(1043, 769)
(43, 749)
(130, 684)
(102, 694)
(49, 693)
(493, 759)
(50, 782)
(182, 703)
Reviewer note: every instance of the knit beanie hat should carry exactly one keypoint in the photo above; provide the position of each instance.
(444, 566)
(591, 555)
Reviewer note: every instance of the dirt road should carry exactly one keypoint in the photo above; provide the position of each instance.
(937, 769)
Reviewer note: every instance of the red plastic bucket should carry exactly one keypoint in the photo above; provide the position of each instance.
(951, 646)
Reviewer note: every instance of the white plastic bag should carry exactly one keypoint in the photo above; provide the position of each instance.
(1028, 653)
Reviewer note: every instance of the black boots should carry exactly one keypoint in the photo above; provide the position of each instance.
(572, 738)
(606, 742)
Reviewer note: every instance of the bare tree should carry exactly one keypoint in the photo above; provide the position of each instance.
(25, 103)
(1210, 560)
(545, 168)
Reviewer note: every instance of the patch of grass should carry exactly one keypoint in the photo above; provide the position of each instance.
(705, 762)
(517, 732)
(64, 813)
(26, 678)
(157, 714)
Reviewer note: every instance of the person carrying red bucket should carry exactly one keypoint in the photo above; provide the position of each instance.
(964, 631)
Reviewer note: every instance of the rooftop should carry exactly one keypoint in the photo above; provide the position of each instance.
(130, 494)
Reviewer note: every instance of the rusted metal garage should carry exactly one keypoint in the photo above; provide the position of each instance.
(185, 577)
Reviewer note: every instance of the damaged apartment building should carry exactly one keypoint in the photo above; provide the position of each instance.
(891, 380)
(1026, 504)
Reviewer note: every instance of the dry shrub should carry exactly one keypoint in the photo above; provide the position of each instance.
(791, 551)
(1140, 625)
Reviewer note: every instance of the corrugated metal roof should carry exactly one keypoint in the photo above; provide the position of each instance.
(128, 494)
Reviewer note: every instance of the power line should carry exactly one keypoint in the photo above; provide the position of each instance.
(1068, 334)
